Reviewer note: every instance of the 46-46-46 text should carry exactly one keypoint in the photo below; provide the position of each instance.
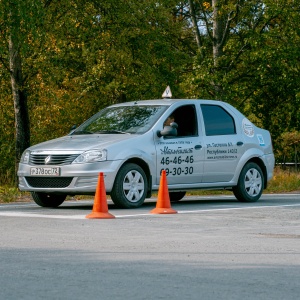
(177, 160)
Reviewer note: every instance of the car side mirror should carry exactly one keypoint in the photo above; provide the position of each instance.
(170, 130)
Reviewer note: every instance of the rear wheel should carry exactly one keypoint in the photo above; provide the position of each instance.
(176, 196)
(130, 187)
(250, 185)
(48, 200)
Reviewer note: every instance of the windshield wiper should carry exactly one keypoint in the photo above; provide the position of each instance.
(81, 132)
(112, 132)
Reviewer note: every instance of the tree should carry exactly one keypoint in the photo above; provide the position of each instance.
(289, 142)
(64, 60)
(18, 18)
(71, 58)
(100, 53)
(249, 57)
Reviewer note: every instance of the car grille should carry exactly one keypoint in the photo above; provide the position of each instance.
(53, 159)
(49, 182)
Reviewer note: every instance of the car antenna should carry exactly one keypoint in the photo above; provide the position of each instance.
(167, 93)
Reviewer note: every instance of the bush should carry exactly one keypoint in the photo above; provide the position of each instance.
(9, 194)
(284, 181)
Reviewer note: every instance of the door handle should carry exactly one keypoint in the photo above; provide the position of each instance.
(197, 147)
(239, 143)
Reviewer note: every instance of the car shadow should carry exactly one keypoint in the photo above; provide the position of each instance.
(149, 203)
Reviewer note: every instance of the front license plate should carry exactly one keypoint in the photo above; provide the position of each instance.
(55, 171)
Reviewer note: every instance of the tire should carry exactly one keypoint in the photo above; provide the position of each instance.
(176, 196)
(48, 200)
(130, 187)
(251, 183)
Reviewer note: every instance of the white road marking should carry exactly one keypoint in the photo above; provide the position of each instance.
(17, 205)
(237, 208)
(30, 215)
(215, 209)
(83, 217)
(12, 206)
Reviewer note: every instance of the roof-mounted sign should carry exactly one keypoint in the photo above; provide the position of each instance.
(167, 93)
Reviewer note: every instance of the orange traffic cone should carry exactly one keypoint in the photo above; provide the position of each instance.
(163, 204)
(100, 208)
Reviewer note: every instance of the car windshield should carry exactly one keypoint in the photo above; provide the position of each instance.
(122, 119)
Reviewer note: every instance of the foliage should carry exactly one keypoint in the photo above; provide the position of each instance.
(259, 70)
(79, 56)
(84, 55)
(288, 146)
(284, 181)
(9, 194)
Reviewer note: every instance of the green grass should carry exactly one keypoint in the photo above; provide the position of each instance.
(283, 181)
(10, 194)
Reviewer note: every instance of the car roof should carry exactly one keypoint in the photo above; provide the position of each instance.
(169, 102)
(166, 102)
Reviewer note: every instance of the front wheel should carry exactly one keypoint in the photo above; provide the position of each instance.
(130, 187)
(250, 185)
(48, 200)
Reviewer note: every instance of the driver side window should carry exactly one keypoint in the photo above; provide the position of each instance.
(186, 118)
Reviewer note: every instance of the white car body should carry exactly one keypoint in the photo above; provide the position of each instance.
(211, 156)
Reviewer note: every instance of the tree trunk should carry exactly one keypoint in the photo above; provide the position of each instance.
(195, 24)
(22, 128)
(218, 32)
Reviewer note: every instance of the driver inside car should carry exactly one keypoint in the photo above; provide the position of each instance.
(169, 120)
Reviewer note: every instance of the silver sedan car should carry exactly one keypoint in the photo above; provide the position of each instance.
(202, 144)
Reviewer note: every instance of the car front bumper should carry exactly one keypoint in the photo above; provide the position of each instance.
(73, 179)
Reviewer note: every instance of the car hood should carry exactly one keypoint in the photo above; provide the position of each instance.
(81, 142)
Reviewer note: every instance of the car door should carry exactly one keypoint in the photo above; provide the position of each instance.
(223, 144)
(181, 156)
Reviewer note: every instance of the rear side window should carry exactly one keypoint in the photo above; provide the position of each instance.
(217, 121)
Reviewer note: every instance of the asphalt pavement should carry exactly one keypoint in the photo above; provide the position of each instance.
(212, 248)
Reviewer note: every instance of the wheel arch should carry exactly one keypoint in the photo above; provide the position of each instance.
(146, 169)
(263, 168)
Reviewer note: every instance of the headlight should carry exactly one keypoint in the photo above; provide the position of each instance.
(91, 156)
(25, 157)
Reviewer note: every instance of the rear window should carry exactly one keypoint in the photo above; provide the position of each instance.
(217, 121)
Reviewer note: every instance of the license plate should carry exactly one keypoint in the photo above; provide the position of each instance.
(55, 171)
